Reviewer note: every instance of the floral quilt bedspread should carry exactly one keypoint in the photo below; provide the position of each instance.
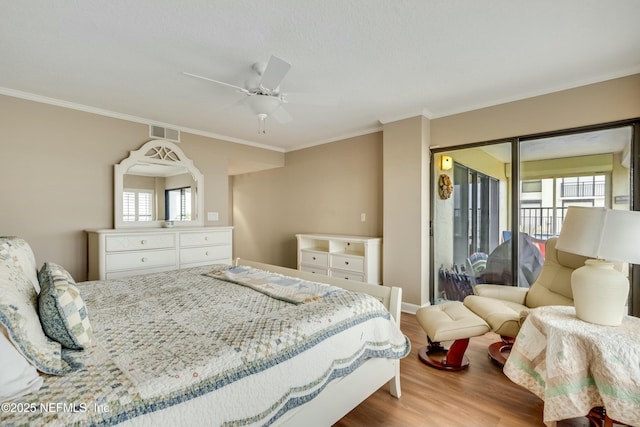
(166, 338)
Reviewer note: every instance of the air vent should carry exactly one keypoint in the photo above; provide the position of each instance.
(164, 133)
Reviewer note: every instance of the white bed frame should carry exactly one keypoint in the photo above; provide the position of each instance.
(342, 395)
(336, 399)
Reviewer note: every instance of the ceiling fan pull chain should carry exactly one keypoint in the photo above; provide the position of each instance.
(261, 123)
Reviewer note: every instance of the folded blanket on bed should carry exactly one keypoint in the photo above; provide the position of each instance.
(289, 289)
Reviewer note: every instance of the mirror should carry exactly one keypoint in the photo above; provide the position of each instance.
(156, 186)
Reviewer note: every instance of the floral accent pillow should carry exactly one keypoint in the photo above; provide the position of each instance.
(63, 314)
(23, 256)
(19, 314)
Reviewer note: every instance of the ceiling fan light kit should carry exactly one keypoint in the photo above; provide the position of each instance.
(263, 93)
(263, 104)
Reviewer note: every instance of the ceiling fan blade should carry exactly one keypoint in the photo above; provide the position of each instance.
(319, 99)
(281, 115)
(239, 103)
(274, 73)
(241, 89)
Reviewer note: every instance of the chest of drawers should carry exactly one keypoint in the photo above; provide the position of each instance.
(347, 257)
(119, 253)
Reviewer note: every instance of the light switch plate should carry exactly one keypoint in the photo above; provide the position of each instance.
(212, 216)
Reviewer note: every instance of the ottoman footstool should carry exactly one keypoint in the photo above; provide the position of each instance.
(449, 321)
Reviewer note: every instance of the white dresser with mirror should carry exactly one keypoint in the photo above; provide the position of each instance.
(158, 217)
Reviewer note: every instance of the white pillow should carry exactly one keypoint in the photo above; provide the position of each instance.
(17, 376)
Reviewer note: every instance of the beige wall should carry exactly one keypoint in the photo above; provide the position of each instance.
(406, 208)
(321, 189)
(604, 102)
(57, 165)
(58, 169)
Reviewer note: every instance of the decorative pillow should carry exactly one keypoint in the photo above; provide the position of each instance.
(22, 254)
(19, 315)
(17, 376)
(63, 313)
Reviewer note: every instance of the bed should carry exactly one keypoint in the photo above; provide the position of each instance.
(251, 344)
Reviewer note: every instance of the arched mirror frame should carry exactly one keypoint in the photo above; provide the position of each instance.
(159, 152)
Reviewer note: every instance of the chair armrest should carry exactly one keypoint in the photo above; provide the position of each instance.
(502, 292)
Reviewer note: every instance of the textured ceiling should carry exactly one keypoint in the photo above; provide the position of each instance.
(382, 60)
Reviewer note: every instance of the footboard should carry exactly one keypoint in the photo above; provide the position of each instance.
(353, 389)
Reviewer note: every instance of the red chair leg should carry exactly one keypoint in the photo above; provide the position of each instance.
(438, 357)
(497, 350)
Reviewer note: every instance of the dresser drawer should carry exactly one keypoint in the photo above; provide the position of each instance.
(141, 260)
(348, 262)
(205, 255)
(315, 270)
(205, 238)
(314, 258)
(348, 275)
(140, 241)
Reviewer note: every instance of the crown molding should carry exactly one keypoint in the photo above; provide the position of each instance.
(356, 134)
(135, 119)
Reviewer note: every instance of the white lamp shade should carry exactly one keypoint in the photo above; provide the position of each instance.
(602, 233)
(600, 292)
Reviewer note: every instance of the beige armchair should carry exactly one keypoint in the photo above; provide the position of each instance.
(504, 307)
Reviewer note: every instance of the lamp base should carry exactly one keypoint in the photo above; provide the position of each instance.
(599, 293)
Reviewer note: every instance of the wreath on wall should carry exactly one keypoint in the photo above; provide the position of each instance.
(445, 186)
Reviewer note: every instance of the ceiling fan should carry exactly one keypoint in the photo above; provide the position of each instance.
(263, 93)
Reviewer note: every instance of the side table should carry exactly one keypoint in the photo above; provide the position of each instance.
(575, 366)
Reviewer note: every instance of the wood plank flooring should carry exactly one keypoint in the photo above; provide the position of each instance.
(479, 396)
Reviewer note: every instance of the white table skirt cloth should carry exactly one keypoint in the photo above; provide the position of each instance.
(574, 366)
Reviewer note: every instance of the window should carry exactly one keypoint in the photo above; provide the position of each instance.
(583, 186)
(532, 186)
(137, 205)
(178, 204)
(476, 213)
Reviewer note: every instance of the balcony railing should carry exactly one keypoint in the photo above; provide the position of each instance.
(582, 189)
(542, 223)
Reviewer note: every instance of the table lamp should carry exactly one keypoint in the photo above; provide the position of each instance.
(600, 292)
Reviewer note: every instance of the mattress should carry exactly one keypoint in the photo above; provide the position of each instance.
(172, 338)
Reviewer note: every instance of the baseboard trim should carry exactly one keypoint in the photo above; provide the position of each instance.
(412, 308)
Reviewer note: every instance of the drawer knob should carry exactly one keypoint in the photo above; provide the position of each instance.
(346, 263)
(314, 258)
(206, 253)
(206, 237)
(143, 242)
(144, 259)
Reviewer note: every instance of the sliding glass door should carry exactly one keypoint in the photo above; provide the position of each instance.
(472, 221)
(493, 226)
(580, 168)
